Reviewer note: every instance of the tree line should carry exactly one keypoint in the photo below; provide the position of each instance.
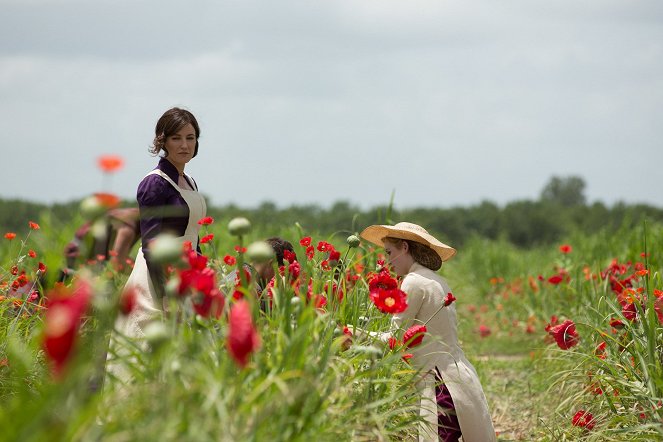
(561, 210)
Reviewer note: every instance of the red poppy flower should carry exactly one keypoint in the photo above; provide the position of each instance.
(64, 311)
(449, 299)
(33, 225)
(243, 338)
(10, 235)
(393, 342)
(556, 279)
(630, 312)
(289, 256)
(310, 252)
(389, 300)
(207, 238)
(616, 323)
(239, 249)
(334, 255)
(110, 163)
(414, 335)
(324, 246)
(484, 331)
(128, 300)
(294, 269)
(206, 221)
(209, 303)
(41, 267)
(599, 351)
(229, 260)
(382, 280)
(583, 419)
(32, 254)
(306, 241)
(565, 249)
(107, 200)
(565, 334)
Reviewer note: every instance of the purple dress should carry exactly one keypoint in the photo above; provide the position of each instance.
(162, 210)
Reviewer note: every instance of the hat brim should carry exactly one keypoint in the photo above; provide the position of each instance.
(374, 234)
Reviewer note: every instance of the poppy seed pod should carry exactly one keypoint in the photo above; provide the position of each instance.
(91, 208)
(239, 226)
(259, 252)
(353, 241)
(156, 334)
(165, 248)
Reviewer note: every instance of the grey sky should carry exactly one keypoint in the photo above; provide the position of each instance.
(447, 102)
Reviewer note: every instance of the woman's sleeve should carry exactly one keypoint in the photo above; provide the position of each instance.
(415, 298)
(151, 198)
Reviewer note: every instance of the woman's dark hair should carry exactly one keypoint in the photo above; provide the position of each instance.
(280, 245)
(421, 253)
(169, 124)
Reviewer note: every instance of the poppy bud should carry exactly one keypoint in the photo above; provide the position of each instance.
(259, 252)
(156, 334)
(352, 241)
(239, 226)
(165, 248)
(91, 208)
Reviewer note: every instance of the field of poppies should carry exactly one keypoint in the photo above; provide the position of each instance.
(567, 340)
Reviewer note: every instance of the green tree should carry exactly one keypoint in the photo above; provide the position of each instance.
(565, 191)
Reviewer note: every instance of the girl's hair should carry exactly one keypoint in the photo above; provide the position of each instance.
(421, 253)
(169, 124)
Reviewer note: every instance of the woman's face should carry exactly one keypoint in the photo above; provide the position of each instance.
(181, 146)
(399, 257)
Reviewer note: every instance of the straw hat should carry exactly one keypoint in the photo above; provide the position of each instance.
(410, 231)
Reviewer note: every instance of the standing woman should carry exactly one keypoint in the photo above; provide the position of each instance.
(169, 202)
(452, 400)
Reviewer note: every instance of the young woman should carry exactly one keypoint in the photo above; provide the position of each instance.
(169, 202)
(452, 400)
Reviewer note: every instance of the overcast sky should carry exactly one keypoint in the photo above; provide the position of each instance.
(445, 102)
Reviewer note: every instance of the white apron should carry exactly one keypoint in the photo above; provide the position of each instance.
(148, 304)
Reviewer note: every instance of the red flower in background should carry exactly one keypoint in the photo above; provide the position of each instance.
(389, 300)
(110, 163)
(229, 260)
(599, 351)
(243, 338)
(414, 335)
(32, 254)
(289, 256)
(10, 235)
(33, 225)
(41, 267)
(484, 331)
(583, 419)
(128, 300)
(206, 221)
(305, 242)
(565, 334)
(207, 238)
(107, 200)
(240, 249)
(565, 249)
(64, 312)
(449, 299)
(310, 252)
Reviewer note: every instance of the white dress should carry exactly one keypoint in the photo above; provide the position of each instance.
(426, 291)
(148, 304)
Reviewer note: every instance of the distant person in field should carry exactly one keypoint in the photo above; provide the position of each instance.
(120, 232)
(262, 272)
(452, 400)
(169, 202)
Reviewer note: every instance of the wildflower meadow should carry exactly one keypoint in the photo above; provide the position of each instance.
(566, 339)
